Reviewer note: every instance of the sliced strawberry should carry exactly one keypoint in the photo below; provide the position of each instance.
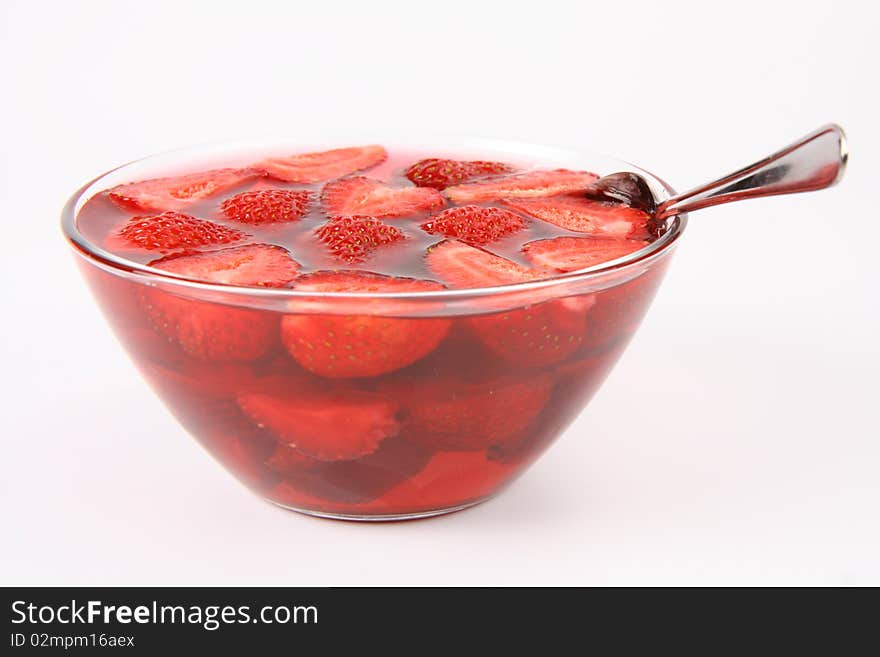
(564, 254)
(522, 185)
(267, 206)
(542, 334)
(257, 265)
(326, 485)
(353, 238)
(475, 224)
(324, 165)
(439, 173)
(364, 196)
(286, 460)
(215, 331)
(346, 346)
(454, 414)
(576, 381)
(244, 458)
(365, 479)
(176, 193)
(328, 426)
(582, 215)
(462, 265)
(172, 231)
(618, 310)
(449, 479)
(212, 331)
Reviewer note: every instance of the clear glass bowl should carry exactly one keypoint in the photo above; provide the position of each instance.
(456, 425)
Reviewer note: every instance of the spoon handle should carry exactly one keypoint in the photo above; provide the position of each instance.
(813, 162)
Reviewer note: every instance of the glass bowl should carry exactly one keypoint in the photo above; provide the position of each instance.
(466, 414)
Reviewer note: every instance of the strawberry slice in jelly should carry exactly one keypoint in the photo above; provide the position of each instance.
(323, 165)
(357, 481)
(464, 266)
(581, 215)
(353, 238)
(327, 425)
(565, 254)
(176, 193)
(267, 206)
(522, 185)
(373, 198)
(441, 173)
(254, 265)
(215, 331)
(541, 334)
(475, 224)
(353, 345)
(449, 479)
(171, 231)
(455, 414)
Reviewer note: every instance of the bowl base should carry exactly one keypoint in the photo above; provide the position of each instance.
(391, 517)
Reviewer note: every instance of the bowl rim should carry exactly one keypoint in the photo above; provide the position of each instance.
(122, 266)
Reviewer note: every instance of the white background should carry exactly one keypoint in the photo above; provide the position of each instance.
(735, 443)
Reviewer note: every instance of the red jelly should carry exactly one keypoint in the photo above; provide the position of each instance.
(367, 333)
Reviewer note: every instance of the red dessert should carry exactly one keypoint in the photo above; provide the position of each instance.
(337, 375)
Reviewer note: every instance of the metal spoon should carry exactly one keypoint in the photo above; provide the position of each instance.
(815, 161)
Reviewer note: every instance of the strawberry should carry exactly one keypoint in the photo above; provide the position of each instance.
(576, 381)
(356, 481)
(462, 265)
(365, 196)
(267, 206)
(346, 346)
(353, 238)
(256, 265)
(449, 479)
(455, 414)
(541, 334)
(582, 215)
(172, 231)
(211, 331)
(522, 185)
(474, 224)
(328, 426)
(564, 254)
(160, 194)
(242, 456)
(325, 165)
(618, 310)
(215, 331)
(439, 173)
(286, 459)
